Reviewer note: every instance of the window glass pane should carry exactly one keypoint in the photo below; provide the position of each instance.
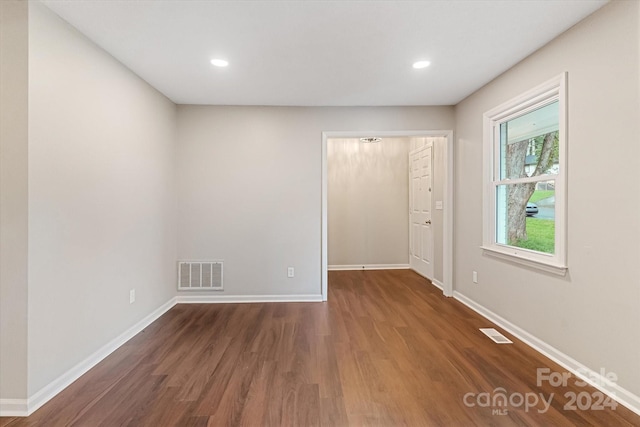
(525, 216)
(529, 144)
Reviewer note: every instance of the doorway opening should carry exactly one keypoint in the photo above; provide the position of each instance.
(441, 143)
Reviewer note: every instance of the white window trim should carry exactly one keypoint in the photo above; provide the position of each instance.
(554, 263)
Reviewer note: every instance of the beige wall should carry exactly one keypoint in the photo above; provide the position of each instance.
(101, 198)
(368, 202)
(14, 38)
(593, 313)
(249, 187)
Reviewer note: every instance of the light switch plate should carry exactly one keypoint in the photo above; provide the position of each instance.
(439, 205)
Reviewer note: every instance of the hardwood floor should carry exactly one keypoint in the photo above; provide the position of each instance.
(387, 349)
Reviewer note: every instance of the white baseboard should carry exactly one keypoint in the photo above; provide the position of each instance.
(230, 299)
(437, 284)
(369, 267)
(11, 407)
(596, 379)
(14, 407)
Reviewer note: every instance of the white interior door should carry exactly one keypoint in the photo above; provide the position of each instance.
(421, 230)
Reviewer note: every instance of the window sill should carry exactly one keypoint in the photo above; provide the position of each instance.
(525, 260)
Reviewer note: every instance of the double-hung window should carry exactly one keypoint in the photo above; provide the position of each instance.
(525, 170)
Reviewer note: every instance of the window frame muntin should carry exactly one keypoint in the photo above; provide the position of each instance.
(497, 143)
(544, 94)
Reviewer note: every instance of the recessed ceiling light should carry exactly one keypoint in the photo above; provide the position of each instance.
(421, 64)
(219, 62)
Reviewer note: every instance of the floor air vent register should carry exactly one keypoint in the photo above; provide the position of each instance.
(496, 336)
(200, 276)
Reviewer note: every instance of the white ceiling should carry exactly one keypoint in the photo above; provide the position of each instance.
(321, 53)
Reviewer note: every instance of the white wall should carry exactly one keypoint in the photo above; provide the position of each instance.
(249, 187)
(101, 198)
(368, 202)
(13, 198)
(593, 313)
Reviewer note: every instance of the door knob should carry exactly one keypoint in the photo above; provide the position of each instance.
(428, 222)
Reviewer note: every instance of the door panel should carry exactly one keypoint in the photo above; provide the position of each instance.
(421, 256)
(415, 240)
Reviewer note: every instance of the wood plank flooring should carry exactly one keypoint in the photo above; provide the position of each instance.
(387, 349)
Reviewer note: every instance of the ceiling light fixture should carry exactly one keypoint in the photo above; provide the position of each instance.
(219, 62)
(421, 64)
(371, 139)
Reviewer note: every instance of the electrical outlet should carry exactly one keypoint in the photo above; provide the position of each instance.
(132, 296)
(475, 277)
(290, 272)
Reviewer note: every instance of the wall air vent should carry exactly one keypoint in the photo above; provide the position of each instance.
(496, 336)
(200, 276)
